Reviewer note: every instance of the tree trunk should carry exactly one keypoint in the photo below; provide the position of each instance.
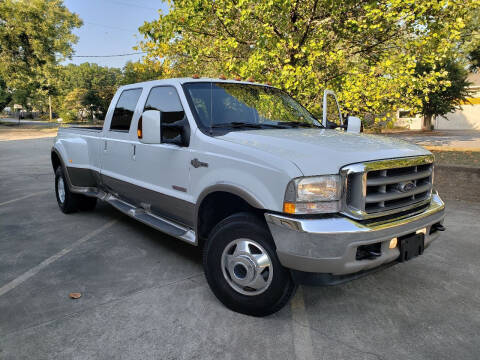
(427, 123)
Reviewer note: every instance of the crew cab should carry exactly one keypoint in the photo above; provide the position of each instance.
(274, 196)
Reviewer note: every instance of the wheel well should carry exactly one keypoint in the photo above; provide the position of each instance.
(55, 161)
(217, 206)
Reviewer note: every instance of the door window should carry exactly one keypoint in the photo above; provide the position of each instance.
(165, 99)
(122, 116)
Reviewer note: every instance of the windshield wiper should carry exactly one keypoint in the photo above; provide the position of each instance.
(298, 124)
(235, 124)
(240, 124)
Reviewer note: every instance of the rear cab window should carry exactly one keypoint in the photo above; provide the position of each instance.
(123, 113)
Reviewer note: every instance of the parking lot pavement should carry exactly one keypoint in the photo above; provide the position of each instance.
(453, 140)
(144, 294)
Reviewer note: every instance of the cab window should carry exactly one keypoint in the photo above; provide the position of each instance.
(123, 113)
(166, 100)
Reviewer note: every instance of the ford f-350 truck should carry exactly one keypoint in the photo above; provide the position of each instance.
(274, 196)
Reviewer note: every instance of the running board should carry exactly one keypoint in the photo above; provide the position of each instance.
(152, 220)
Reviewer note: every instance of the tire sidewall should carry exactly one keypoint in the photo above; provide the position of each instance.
(247, 227)
(68, 204)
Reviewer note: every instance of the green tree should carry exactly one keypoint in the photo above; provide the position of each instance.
(92, 101)
(443, 100)
(5, 95)
(72, 104)
(100, 82)
(34, 35)
(366, 51)
(134, 72)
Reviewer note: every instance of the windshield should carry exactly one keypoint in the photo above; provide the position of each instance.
(233, 106)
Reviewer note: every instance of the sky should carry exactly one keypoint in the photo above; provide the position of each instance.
(110, 27)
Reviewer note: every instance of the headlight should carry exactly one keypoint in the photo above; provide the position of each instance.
(313, 195)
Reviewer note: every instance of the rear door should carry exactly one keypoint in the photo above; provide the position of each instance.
(118, 147)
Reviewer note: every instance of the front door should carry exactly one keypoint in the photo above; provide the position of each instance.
(162, 170)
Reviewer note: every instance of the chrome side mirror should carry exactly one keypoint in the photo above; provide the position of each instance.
(354, 124)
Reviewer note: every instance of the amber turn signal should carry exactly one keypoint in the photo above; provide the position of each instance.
(289, 208)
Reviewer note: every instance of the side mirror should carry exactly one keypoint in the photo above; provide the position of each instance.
(354, 124)
(150, 127)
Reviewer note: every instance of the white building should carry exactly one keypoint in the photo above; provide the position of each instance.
(465, 118)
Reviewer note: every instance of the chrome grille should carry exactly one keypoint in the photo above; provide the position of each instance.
(384, 187)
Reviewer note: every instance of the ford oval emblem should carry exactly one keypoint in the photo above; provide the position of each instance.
(406, 186)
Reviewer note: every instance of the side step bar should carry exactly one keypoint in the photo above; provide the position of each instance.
(152, 220)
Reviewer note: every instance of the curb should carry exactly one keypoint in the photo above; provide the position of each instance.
(450, 148)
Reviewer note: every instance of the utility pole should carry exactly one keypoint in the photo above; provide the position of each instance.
(50, 106)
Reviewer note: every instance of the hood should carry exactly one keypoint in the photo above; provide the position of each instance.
(323, 151)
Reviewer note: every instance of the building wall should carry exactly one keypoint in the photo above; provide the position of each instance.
(412, 123)
(466, 118)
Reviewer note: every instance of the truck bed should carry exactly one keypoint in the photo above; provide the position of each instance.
(89, 128)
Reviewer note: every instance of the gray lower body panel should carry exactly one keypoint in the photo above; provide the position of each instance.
(166, 213)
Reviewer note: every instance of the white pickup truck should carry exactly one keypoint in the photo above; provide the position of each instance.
(274, 196)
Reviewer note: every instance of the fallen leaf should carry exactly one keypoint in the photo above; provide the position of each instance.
(75, 295)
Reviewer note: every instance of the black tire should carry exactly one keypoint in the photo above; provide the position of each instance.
(250, 227)
(67, 202)
(71, 202)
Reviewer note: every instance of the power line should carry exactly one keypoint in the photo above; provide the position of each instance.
(102, 56)
(131, 5)
(111, 27)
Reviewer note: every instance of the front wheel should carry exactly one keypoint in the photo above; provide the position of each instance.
(242, 267)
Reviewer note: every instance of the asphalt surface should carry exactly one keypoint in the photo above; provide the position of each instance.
(144, 295)
(455, 140)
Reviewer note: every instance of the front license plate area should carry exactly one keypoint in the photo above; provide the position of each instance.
(411, 246)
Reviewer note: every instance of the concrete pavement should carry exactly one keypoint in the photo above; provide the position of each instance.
(145, 296)
(452, 140)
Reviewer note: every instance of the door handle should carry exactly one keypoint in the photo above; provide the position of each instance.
(134, 151)
(197, 163)
(105, 145)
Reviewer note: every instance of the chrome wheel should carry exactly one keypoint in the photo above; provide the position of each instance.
(61, 189)
(247, 267)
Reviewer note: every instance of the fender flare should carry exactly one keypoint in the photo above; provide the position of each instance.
(227, 188)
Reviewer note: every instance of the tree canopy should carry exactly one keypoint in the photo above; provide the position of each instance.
(444, 100)
(34, 35)
(5, 95)
(366, 51)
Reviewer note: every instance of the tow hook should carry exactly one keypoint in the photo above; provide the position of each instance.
(438, 227)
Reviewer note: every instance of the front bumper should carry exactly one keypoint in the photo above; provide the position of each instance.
(329, 244)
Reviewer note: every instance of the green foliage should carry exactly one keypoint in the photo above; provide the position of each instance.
(134, 72)
(366, 51)
(34, 34)
(446, 99)
(5, 95)
(89, 87)
(474, 59)
(94, 86)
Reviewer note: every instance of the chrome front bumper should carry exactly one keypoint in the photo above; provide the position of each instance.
(329, 244)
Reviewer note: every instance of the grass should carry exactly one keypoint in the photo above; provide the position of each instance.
(471, 158)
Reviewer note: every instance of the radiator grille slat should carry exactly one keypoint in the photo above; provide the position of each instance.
(382, 180)
(388, 186)
(397, 187)
(385, 196)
